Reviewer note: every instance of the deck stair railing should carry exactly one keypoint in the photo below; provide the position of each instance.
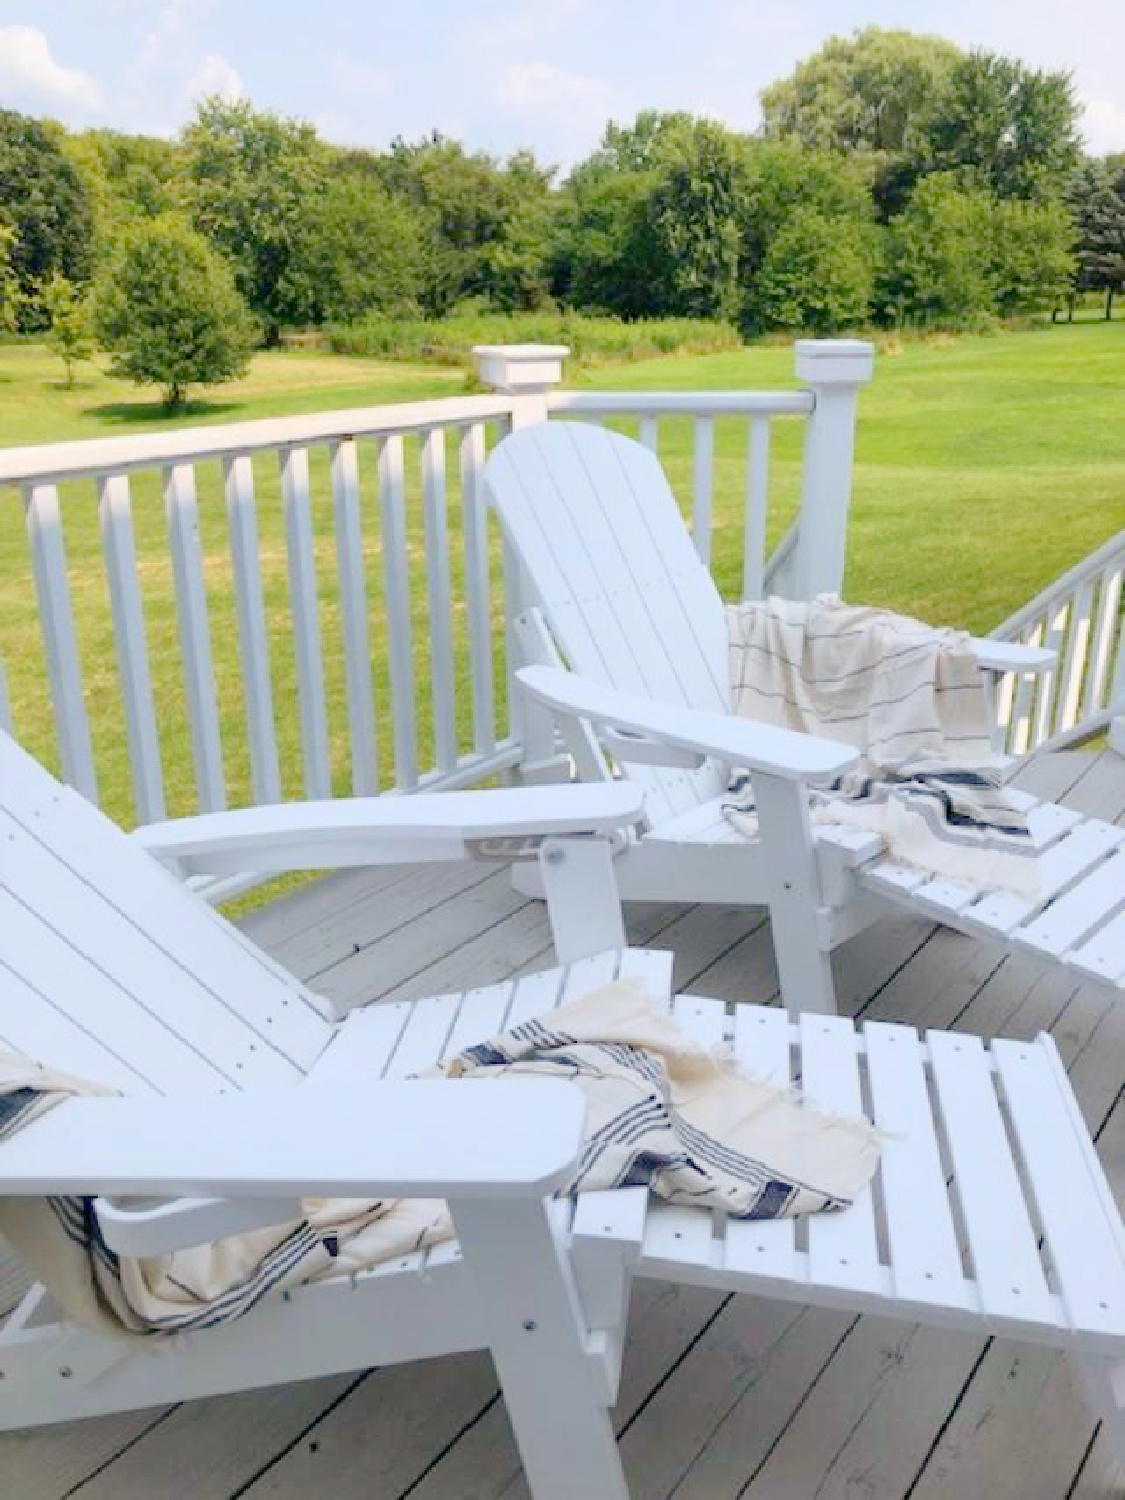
(1081, 617)
(351, 562)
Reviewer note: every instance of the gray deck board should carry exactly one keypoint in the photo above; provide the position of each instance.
(721, 1396)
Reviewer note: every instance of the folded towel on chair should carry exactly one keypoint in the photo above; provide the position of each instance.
(911, 699)
(661, 1112)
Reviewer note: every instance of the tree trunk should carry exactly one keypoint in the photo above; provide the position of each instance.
(1108, 303)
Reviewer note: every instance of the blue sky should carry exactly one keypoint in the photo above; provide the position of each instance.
(497, 74)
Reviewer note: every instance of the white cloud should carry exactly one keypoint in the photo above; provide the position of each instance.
(29, 74)
(541, 88)
(215, 75)
(1103, 125)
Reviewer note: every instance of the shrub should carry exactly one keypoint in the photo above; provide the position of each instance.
(591, 339)
(168, 309)
(818, 274)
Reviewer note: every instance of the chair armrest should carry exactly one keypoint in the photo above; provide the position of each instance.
(426, 1138)
(758, 747)
(1012, 656)
(383, 830)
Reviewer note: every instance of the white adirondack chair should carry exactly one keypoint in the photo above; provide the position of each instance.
(243, 1093)
(624, 601)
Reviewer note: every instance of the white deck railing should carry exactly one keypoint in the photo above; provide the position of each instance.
(323, 544)
(1080, 617)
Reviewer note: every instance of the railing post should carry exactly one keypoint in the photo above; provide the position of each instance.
(833, 370)
(1117, 734)
(526, 373)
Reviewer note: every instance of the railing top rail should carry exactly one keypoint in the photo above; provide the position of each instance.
(686, 403)
(57, 461)
(1063, 585)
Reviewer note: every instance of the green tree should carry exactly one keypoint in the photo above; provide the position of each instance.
(254, 177)
(818, 274)
(45, 203)
(9, 282)
(491, 220)
(1032, 257)
(869, 92)
(358, 248)
(939, 269)
(1096, 198)
(168, 309)
(1015, 126)
(70, 333)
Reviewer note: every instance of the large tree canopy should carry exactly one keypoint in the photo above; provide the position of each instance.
(44, 202)
(870, 92)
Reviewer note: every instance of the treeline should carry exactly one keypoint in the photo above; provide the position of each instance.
(897, 180)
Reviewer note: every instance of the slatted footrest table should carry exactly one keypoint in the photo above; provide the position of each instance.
(989, 1211)
(1078, 919)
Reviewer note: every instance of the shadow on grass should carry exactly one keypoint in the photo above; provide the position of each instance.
(156, 411)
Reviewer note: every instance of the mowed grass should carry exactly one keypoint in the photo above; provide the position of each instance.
(985, 467)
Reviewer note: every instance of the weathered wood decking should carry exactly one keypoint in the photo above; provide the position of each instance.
(722, 1396)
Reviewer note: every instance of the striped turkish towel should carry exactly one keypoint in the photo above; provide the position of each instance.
(911, 699)
(661, 1112)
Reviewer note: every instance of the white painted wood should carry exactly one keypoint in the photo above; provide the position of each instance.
(792, 880)
(131, 1229)
(1006, 1263)
(353, 612)
(1020, 724)
(757, 503)
(422, 1138)
(843, 1248)
(703, 487)
(682, 403)
(474, 527)
(300, 547)
(649, 433)
(439, 597)
(253, 639)
(1079, 912)
(5, 702)
(833, 370)
(1082, 1229)
(1048, 696)
(763, 1248)
(581, 897)
(1101, 647)
(181, 512)
(1075, 661)
(56, 620)
(400, 651)
(775, 752)
(556, 1395)
(1103, 956)
(116, 520)
(55, 461)
(925, 1259)
(344, 831)
(362, 1045)
(1060, 866)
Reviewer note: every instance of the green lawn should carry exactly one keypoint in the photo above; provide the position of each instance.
(985, 467)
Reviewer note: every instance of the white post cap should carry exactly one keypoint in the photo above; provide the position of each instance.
(520, 368)
(835, 361)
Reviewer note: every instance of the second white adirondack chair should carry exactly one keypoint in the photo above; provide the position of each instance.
(624, 601)
(244, 1093)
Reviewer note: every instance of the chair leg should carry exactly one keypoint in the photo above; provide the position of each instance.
(1104, 1384)
(556, 1386)
(804, 965)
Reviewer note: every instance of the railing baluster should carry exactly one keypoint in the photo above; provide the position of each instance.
(1075, 660)
(650, 433)
(757, 502)
(1101, 647)
(438, 595)
(1019, 726)
(703, 487)
(253, 640)
(182, 512)
(353, 610)
(306, 621)
(474, 527)
(392, 499)
(1048, 681)
(56, 619)
(513, 605)
(115, 515)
